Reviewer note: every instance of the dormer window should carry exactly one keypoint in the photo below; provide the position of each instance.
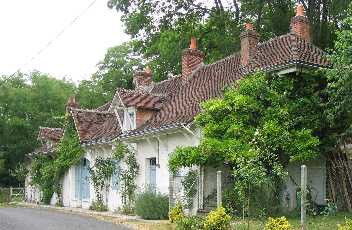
(130, 119)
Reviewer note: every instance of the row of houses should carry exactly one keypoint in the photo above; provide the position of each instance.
(156, 117)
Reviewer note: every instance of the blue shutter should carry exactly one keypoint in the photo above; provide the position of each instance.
(115, 178)
(85, 179)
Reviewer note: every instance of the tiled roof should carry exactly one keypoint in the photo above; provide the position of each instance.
(139, 99)
(53, 134)
(95, 126)
(209, 81)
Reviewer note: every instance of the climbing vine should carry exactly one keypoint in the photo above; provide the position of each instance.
(189, 183)
(100, 174)
(257, 128)
(47, 171)
(128, 174)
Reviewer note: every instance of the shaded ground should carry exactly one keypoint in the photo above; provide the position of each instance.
(18, 218)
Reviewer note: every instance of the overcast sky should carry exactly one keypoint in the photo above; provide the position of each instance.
(27, 26)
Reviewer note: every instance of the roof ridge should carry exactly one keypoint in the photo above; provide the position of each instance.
(91, 111)
(44, 127)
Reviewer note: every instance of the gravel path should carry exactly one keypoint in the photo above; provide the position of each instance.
(43, 219)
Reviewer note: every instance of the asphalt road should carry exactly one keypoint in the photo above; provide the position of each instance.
(43, 219)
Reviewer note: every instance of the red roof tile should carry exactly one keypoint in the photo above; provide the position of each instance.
(95, 126)
(53, 134)
(209, 81)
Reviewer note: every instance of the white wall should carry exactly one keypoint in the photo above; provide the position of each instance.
(316, 175)
(149, 149)
(112, 199)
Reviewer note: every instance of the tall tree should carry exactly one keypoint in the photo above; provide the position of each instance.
(27, 102)
(161, 29)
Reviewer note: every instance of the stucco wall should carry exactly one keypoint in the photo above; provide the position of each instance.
(147, 149)
(316, 178)
(112, 198)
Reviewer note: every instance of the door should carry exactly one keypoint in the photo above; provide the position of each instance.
(82, 191)
(152, 174)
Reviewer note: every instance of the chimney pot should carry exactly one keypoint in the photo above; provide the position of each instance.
(143, 78)
(300, 24)
(300, 10)
(193, 44)
(192, 58)
(249, 42)
(248, 26)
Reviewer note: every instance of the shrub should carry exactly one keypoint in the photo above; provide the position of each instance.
(152, 206)
(190, 223)
(176, 213)
(4, 196)
(126, 209)
(346, 226)
(217, 219)
(98, 206)
(277, 224)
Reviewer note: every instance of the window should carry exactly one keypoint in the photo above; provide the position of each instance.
(152, 174)
(130, 119)
(115, 178)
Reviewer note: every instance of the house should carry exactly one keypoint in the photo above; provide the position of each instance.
(155, 118)
(49, 138)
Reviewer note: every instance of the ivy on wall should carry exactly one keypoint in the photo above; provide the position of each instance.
(190, 183)
(47, 172)
(128, 174)
(257, 128)
(100, 175)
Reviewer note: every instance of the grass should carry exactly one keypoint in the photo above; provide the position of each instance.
(313, 223)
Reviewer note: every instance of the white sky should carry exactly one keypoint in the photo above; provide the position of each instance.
(27, 26)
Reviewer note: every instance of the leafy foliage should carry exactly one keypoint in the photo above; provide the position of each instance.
(277, 224)
(152, 206)
(128, 175)
(339, 105)
(47, 171)
(27, 102)
(217, 220)
(176, 213)
(259, 126)
(161, 29)
(100, 174)
(98, 205)
(346, 226)
(190, 223)
(190, 183)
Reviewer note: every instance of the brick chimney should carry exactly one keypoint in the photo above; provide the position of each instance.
(143, 78)
(72, 103)
(192, 58)
(249, 42)
(300, 24)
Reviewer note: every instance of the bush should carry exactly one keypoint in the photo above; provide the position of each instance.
(277, 224)
(152, 206)
(190, 223)
(176, 213)
(217, 220)
(4, 196)
(126, 210)
(98, 206)
(346, 226)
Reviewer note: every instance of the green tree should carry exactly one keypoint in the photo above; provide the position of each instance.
(262, 124)
(27, 102)
(162, 29)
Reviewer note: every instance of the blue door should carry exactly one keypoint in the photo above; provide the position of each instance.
(82, 191)
(152, 174)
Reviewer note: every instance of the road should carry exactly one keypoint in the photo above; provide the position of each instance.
(16, 218)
